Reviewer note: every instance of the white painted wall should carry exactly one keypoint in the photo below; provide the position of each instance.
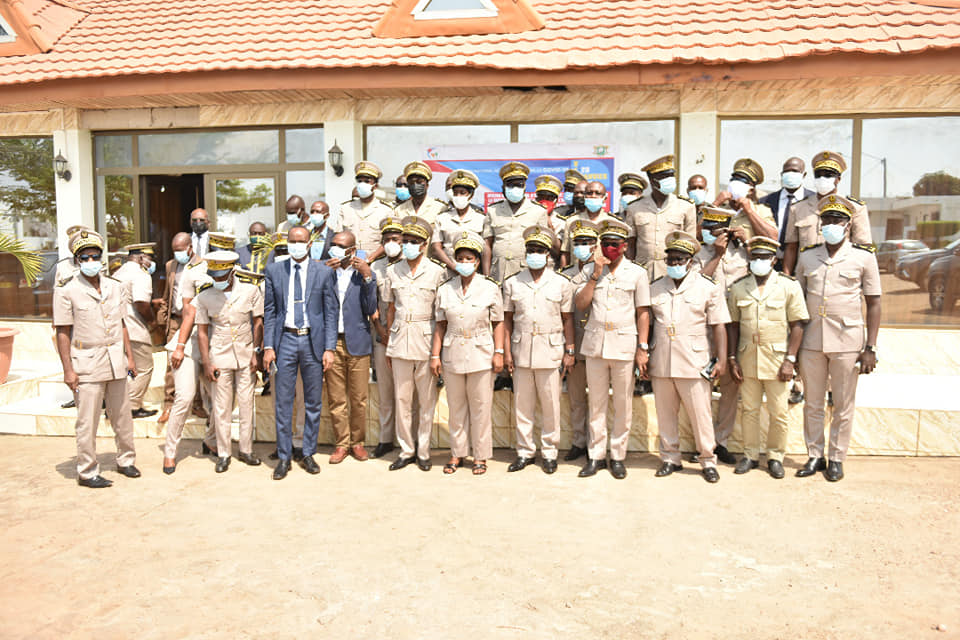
(74, 198)
(698, 149)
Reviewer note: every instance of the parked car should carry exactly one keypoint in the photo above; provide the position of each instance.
(890, 251)
(943, 281)
(915, 267)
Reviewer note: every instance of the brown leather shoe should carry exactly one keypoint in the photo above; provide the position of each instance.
(164, 416)
(358, 452)
(338, 455)
(200, 412)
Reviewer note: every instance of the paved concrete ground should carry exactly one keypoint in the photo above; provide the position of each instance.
(361, 552)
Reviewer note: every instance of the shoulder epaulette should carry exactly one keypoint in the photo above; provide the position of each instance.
(787, 276)
(65, 280)
(250, 279)
(859, 202)
(511, 276)
(109, 277)
(196, 265)
(655, 279)
(382, 256)
(741, 278)
(640, 264)
(437, 262)
(447, 280)
(687, 198)
(348, 201)
(496, 282)
(708, 277)
(811, 246)
(866, 247)
(562, 274)
(476, 207)
(203, 287)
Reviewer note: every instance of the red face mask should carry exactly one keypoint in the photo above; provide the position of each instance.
(612, 253)
(547, 204)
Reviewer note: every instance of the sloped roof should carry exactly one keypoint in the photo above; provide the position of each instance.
(134, 37)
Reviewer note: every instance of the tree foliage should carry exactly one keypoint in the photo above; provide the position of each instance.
(29, 163)
(938, 183)
(233, 197)
(118, 205)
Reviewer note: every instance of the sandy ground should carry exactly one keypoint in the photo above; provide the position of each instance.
(361, 552)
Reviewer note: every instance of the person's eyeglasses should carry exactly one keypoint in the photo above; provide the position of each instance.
(90, 257)
(316, 210)
(610, 244)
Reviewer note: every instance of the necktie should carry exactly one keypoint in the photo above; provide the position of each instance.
(297, 297)
(785, 218)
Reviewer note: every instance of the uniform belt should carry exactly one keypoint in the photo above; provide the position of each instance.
(79, 344)
(613, 326)
(418, 317)
(471, 333)
(537, 331)
(305, 331)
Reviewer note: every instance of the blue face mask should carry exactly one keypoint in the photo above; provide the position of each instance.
(411, 250)
(667, 186)
(791, 179)
(221, 285)
(152, 268)
(513, 194)
(568, 197)
(90, 268)
(833, 233)
(708, 238)
(293, 218)
(582, 252)
(593, 204)
(318, 220)
(466, 269)
(625, 201)
(403, 194)
(699, 196)
(677, 271)
(316, 251)
(338, 252)
(181, 256)
(536, 260)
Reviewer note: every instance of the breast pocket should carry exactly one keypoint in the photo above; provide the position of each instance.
(850, 278)
(675, 220)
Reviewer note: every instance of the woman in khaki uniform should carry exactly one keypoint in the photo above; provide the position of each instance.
(467, 351)
(458, 218)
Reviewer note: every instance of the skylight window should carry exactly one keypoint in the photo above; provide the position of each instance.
(6, 33)
(453, 9)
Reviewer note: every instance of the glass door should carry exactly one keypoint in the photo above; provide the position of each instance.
(235, 201)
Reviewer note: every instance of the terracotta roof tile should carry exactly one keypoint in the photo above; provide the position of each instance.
(120, 37)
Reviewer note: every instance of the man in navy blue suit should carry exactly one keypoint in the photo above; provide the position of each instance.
(349, 378)
(791, 192)
(300, 334)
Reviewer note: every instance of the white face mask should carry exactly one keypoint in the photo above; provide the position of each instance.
(90, 268)
(293, 218)
(738, 189)
(824, 185)
(699, 196)
(667, 185)
(337, 252)
(460, 202)
(297, 250)
(513, 194)
(833, 233)
(791, 179)
(364, 190)
(761, 266)
(221, 284)
(392, 249)
(625, 200)
(449, 193)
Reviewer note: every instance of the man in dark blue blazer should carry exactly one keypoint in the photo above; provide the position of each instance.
(348, 378)
(792, 191)
(300, 334)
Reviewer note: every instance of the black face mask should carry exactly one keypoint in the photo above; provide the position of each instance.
(579, 201)
(418, 189)
(199, 227)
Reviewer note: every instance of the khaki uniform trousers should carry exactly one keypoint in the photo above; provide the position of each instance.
(577, 394)
(694, 395)
(815, 367)
(185, 380)
(751, 393)
(90, 399)
(529, 386)
(347, 382)
(602, 375)
(173, 328)
(232, 383)
(727, 408)
(385, 409)
(413, 377)
(143, 359)
(470, 399)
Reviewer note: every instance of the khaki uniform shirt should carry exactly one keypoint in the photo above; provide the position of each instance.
(506, 229)
(833, 287)
(765, 318)
(137, 287)
(468, 341)
(566, 245)
(742, 220)
(379, 268)
(611, 330)
(651, 226)
(537, 341)
(682, 317)
(803, 227)
(65, 269)
(451, 225)
(578, 277)
(363, 220)
(413, 295)
(230, 318)
(733, 265)
(96, 340)
(193, 278)
(429, 209)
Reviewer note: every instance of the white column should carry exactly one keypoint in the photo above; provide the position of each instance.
(348, 134)
(698, 148)
(74, 197)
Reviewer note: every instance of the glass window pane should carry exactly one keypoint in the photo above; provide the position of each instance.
(392, 147)
(28, 212)
(910, 181)
(305, 145)
(771, 142)
(243, 201)
(309, 185)
(209, 147)
(114, 151)
(115, 211)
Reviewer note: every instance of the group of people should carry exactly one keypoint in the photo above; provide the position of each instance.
(743, 292)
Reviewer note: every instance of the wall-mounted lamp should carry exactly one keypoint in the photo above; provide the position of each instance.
(335, 154)
(60, 167)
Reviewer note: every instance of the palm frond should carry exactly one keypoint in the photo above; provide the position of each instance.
(29, 261)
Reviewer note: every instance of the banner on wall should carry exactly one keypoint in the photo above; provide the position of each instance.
(594, 161)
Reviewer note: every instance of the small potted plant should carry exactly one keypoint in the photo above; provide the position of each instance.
(31, 263)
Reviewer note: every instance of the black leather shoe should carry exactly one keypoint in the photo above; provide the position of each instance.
(297, 454)
(776, 468)
(400, 463)
(69, 404)
(309, 465)
(829, 398)
(520, 464)
(96, 482)
(591, 468)
(383, 449)
(169, 470)
(813, 465)
(223, 464)
(207, 451)
(283, 467)
(266, 388)
(746, 464)
(711, 475)
(130, 471)
(274, 455)
(143, 413)
(667, 468)
(643, 388)
(503, 382)
(549, 466)
(574, 453)
(796, 396)
(425, 465)
(617, 470)
(248, 458)
(723, 455)
(834, 471)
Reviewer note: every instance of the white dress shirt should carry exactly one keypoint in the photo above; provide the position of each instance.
(343, 281)
(786, 196)
(200, 243)
(288, 320)
(177, 276)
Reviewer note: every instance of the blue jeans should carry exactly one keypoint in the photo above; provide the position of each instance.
(295, 352)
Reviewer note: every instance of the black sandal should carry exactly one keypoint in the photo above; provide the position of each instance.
(479, 468)
(451, 466)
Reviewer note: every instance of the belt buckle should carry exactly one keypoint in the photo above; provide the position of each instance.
(78, 344)
(466, 334)
(608, 326)
(822, 311)
(756, 338)
(672, 330)
(303, 331)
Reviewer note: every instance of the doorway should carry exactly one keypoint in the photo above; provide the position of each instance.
(165, 211)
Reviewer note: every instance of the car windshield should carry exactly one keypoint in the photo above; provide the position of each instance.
(913, 244)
